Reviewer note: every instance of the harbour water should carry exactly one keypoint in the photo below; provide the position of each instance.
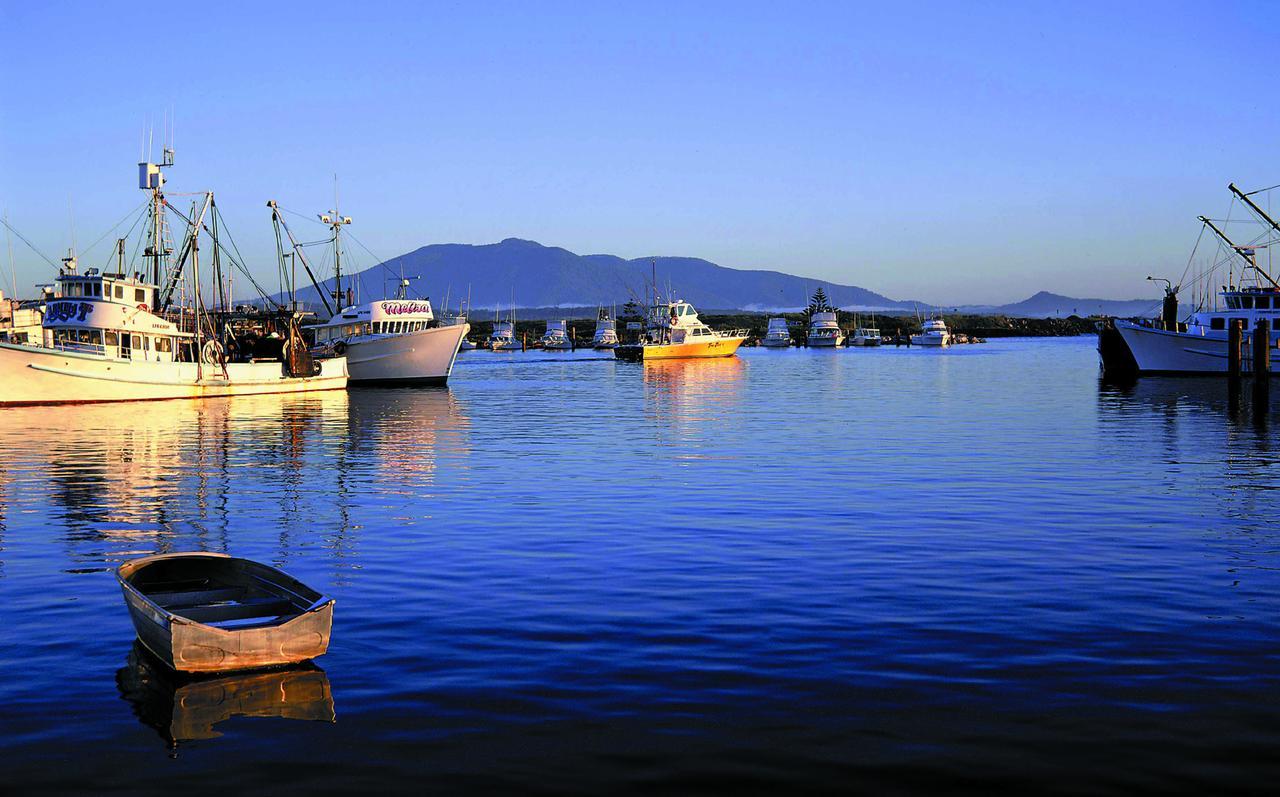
(895, 569)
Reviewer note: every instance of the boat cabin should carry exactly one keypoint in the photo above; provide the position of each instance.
(376, 319)
(109, 314)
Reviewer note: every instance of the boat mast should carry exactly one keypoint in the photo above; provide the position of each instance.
(151, 178)
(336, 222)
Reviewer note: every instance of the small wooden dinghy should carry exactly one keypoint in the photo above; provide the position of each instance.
(209, 612)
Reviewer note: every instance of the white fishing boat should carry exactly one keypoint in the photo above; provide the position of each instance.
(392, 342)
(606, 335)
(1198, 344)
(933, 332)
(556, 337)
(778, 335)
(824, 329)
(119, 336)
(389, 342)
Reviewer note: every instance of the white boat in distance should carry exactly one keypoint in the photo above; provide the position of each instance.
(865, 336)
(110, 336)
(606, 336)
(778, 335)
(503, 337)
(932, 333)
(824, 330)
(556, 337)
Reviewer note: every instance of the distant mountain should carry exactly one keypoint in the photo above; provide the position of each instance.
(1053, 305)
(548, 276)
(533, 275)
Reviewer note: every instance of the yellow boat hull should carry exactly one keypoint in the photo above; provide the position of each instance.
(712, 347)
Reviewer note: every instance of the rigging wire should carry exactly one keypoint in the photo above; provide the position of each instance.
(32, 246)
(114, 227)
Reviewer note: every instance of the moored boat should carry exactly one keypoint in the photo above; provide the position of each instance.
(114, 335)
(1199, 343)
(606, 335)
(932, 333)
(824, 329)
(209, 612)
(556, 337)
(778, 335)
(503, 337)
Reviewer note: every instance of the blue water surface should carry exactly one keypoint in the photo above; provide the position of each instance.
(893, 569)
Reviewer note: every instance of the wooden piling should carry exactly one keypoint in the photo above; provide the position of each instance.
(1261, 365)
(1235, 339)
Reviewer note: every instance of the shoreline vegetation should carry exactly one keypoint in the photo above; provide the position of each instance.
(582, 327)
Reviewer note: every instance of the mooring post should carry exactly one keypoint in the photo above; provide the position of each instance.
(1261, 364)
(1235, 338)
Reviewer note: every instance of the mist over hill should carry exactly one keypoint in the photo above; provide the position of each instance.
(529, 275)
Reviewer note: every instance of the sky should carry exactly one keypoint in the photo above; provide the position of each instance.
(954, 153)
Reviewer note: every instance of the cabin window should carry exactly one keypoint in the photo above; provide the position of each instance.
(112, 338)
(139, 295)
(1217, 323)
(1262, 303)
(1246, 302)
(135, 341)
(164, 345)
(377, 327)
(119, 291)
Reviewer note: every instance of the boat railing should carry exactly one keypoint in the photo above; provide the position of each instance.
(79, 347)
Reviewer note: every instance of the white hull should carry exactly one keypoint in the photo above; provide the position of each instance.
(31, 375)
(825, 342)
(932, 339)
(424, 357)
(604, 345)
(775, 344)
(558, 345)
(1161, 351)
(865, 342)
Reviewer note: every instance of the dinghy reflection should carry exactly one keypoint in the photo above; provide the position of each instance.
(186, 709)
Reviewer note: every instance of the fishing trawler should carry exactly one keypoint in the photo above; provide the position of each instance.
(118, 336)
(395, 341)
(824, 330)
(933, 332)
(1199, 344)
(778, 335)
(556, 337)
(672, 331)
(606, 336)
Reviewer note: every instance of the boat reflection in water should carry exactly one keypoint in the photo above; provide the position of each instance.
(684, 395)
(185, 709)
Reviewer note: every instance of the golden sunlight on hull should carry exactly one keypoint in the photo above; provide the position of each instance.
(717, 347)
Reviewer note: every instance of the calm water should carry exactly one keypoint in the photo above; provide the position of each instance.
(893, 569)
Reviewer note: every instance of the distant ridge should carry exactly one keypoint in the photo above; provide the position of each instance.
(550, 276)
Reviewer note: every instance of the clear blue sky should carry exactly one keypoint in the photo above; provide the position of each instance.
(960, 152)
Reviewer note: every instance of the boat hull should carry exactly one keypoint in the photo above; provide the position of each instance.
(193, 647)
(825, 342)
(1159, 351)
(937, 341)
(775, 344)
(716, 347)
(417, 358)
(31, 375)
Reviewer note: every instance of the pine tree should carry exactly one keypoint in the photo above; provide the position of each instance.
(819, 303)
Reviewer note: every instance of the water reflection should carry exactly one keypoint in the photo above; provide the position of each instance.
(118, 480)
(188, 709)
(682, 396)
